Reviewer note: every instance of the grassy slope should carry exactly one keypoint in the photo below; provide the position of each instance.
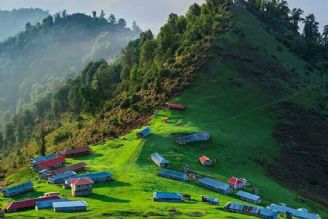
(239, 119)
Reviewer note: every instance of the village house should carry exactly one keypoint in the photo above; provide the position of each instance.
(210, 200)
(81, 186)
(159, 160)
(201, 136)
(237, 183)
(83, 151)
(42, 158)
(18, 190)
(175, 106)
(51, 164)
(215, 185)
(47, 203)
(60, 178)
(98, 177)
(264, 213)
(27, 204)
(249, 197)
(205, 161)
(70, 206)
(79, 167)
(295, 213)
(144, 133)
(173, 175)
(167, 197)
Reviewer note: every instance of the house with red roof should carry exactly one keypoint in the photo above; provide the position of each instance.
(237, 183)
(51, 164)
(28, 204)
(82, 151)
(205, 161)
(78, 167)
(81, 186)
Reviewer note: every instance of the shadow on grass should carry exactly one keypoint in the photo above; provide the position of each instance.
(89, 157)
(105, 198)
(30, 195)
(111, 184)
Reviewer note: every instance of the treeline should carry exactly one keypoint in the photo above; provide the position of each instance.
(149, 71)
(285, 23)
(12, 22)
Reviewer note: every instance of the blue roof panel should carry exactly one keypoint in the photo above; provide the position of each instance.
(69, 204)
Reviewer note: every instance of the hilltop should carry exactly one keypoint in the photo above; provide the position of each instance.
(240, 81)
(14, 21)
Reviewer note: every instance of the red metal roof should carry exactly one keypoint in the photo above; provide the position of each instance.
(175, 106)
(81, 181)
(30, 203)
(51, 162)
(203, 159)
(75, 167)
(235, 181)
(81, 150)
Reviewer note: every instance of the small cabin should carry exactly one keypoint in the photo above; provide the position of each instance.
(51, 164)
(18, 190)
(196, 137)
(175, 106)
(144, 133)
(98, 177)
(173, 175)
(167, 197)
(81, 186)
(78, 152)
(237, 183)
(159, 160)
(70, 206)
(60, 178)
(249, 197)
(210, 200)
(215, 185)
(205, 161)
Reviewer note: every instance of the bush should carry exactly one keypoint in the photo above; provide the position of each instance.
(62, 136)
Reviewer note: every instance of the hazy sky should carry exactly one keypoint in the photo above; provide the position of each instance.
(148, 13)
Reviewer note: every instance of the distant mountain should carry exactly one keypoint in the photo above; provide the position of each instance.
(12, 22)
(38, 59)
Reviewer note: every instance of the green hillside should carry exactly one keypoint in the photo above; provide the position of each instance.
(237, 96)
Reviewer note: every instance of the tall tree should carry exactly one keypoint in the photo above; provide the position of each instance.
(135, 27)
(94, 14)
(325, 36)
(121, 22)
(311, 30)
(102, 14)
(112, 19)
(296, 17)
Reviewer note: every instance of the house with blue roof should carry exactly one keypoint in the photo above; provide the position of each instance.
(144, 133)
(47, 203)
(42, 158)
(200, 136)
(70, 206)
(255, 199)
(215, 185)
(297, 213)
(159, 160)
(18, 190)
(173, 175)
(60, 178)
(167, 197)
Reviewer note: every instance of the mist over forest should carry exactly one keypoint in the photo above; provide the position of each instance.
(44, 55)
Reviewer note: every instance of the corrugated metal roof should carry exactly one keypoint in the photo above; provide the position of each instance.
(267, 212)
(247, 195)
(159, 158)
(69, 204)
(145, 132)
(301, 213)
(200, 136)
(96, 175)
(167, 195)
(73, 167)
(85, 149)
(174, 174)
(81, 181)
(19, 187)
(63, 175)
(48, 203)
(214, 183)
(43, 158)
(51, 162)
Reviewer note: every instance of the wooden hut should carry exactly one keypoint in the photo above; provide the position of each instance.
(249, 197)
(205, 161)
(200, 136)
(175, 106)
(18, 190)
(78, 152)
(70, 206)
(144, 133)
(159, 160)
(79, 167)
(173, 175)
(27, 204)
(51, 164)
(60, 178)
(215, 185)
(167, 197)
(236, 183)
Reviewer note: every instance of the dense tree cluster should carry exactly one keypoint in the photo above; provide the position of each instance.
(310, 43)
